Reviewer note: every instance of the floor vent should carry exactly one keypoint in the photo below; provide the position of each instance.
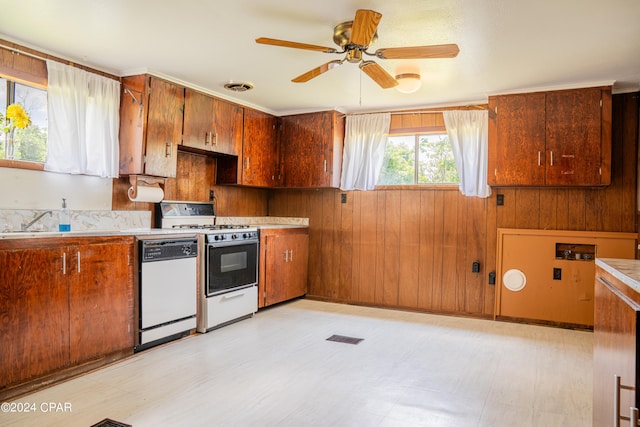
(343, 339)
(110, 423)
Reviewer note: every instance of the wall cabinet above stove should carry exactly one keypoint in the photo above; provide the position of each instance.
(558, 138)
(258, 164)
(211, 124)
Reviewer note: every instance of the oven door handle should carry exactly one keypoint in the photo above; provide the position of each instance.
(231, 243)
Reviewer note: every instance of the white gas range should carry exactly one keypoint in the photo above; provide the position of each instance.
(228, 285)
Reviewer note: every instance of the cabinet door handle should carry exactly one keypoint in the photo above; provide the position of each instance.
(64, 263)
(215, 138)
(167, 150)
(325, 165)
(633, 417)
(286, 255)
(551, 158)
(291, 255)
(246, 162)
(207, 138)
(78, 255)
(539, 157)
(616, 404)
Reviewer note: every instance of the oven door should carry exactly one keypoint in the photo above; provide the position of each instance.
(231, 266)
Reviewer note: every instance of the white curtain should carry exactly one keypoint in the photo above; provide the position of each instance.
(84, 118)
(469, 137)
(364, 144)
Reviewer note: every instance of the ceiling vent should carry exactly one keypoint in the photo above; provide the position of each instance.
(238, 87)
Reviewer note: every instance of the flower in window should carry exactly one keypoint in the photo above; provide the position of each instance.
(17, 117)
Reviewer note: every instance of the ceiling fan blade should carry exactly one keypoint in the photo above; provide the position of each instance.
(317, 71)
(364, 26)
(378, 74)
(295, 45)
(417, 52)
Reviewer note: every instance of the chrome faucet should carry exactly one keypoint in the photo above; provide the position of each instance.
(24, 227)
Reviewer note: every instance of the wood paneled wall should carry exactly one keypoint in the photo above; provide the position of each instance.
(397, 248)
(414, 248)
(196, 175)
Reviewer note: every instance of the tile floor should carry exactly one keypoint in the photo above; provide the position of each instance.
(277, 369)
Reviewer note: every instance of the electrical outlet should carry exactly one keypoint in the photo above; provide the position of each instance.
(343, 198)
(557, 274)
(211, 196)
(500, 200)
(492, 278)
(475, 267)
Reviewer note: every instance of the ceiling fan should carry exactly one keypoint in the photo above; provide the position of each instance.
(354, 38)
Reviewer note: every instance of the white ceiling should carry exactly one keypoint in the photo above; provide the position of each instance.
(505, 46)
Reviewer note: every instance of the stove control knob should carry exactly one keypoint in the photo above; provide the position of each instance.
(234, 236)
(186, 250)
(246, 236)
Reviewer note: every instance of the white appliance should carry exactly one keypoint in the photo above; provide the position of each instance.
(167, 292)
(228, 288)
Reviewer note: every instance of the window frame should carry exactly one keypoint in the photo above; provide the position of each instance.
(27, 70)
(417, 123)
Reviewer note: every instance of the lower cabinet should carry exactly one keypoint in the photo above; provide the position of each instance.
(615, 352)
(284, 254)
(62, 304)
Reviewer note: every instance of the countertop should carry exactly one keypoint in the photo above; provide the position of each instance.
(625, 270)
(124, 232)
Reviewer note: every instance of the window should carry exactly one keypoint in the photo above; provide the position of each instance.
(31, 142)
(418, 159)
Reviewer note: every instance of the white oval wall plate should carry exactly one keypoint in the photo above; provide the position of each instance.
(514, 280)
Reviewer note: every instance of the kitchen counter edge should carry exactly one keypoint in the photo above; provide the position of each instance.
(625, 270)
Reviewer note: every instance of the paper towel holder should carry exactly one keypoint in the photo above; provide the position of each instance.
(150, 181)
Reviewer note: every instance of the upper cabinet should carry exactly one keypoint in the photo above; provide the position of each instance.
(311, 146)
(228, 119)
(150, 126)
(559, 138)
(198, 128)
(258, 164)
(260, 150)
(211, 124)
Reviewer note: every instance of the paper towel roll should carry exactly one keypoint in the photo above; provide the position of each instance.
(152, 194)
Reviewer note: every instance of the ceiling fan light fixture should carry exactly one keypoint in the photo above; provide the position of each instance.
(408, 82)
(238, 86)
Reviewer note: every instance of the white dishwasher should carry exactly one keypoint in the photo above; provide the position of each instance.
(167, 294)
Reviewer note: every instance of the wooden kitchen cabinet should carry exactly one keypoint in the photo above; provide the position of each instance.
(34, 314)
(211, 124)
(228, 119)
(615, 347)
(198, 127)
(283, 265)
(311, 149)
(151, 114)
(258, 166)
(260, 150)
(64, 303)
(557, 138)
(100, 300)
